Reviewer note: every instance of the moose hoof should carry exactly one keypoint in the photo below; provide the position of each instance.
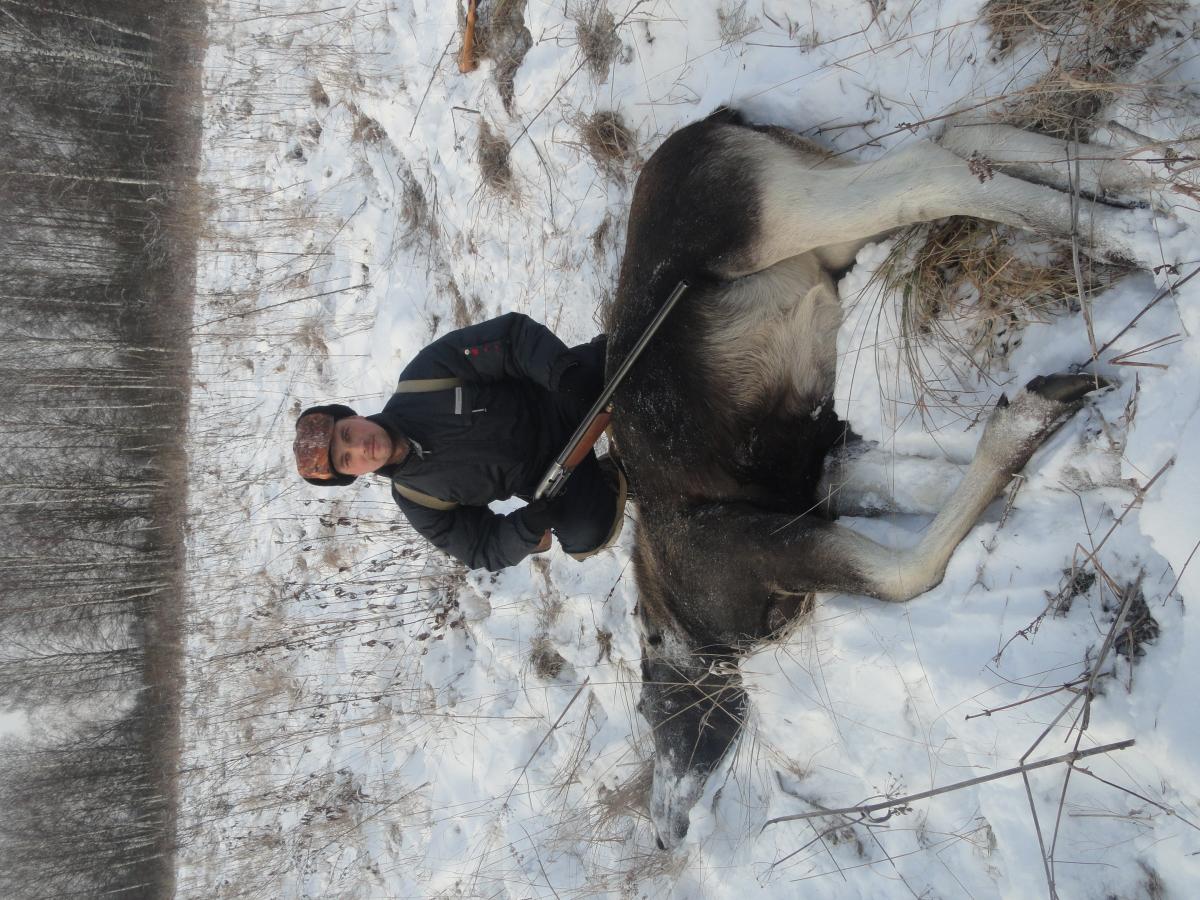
(1065, 387)
(1019, 425)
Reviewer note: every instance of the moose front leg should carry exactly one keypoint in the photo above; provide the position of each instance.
(738, 550)
(1013, 432)
(863, 479)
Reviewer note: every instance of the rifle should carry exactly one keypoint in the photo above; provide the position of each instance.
(600, 414)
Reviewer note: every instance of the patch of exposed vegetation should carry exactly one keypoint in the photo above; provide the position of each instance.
(1124, 24)
(608, 139)
(630, 798)
(415, 215)
(366, 130)
(596, 32)
(734, 23)
(547, 662)
(974, 285)
(1140, 626)
(467, 311)
(316, 93)
(601, 236)
(493, 149)
(1093, 43)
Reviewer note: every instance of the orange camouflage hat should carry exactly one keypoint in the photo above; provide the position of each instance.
(314, 432)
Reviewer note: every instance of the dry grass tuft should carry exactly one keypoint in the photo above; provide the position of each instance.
(607, 138)
(630, 799)
(1123, 24)
(602, 236)
(493, 149)
(466, 311)
(366, 130)
(1092, 43)
(1140, 627)
(596, 32)
(734, 23)
(547, 662)
(414, 208)
(1064, 101)
(316, 93)
(969, 287)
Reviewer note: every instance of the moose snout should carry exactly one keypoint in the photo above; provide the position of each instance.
(671, 800)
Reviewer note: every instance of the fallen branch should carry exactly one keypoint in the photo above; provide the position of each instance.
(867, 809)
(1069, 686)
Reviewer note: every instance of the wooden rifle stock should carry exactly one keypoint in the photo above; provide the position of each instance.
(466, 59)
(584, 447)
(598, 417)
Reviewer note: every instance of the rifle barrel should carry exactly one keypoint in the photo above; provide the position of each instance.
(602, 404)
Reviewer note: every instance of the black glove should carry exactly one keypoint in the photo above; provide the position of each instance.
(541, 514)
(582, 382)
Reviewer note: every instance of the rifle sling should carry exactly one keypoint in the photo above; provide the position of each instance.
(422, 386)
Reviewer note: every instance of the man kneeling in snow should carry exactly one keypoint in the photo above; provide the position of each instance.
(478, 416)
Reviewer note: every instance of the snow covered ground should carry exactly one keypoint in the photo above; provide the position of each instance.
(362, 720)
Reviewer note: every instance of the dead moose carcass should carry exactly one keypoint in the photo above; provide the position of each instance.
(725, 423)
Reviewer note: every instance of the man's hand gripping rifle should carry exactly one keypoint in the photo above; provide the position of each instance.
(600, 414)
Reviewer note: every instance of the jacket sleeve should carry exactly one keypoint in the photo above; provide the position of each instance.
(474, 535)
(508, 347)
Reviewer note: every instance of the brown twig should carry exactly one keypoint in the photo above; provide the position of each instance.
(1168, 290)
(1090, 556)
(1186, 563)
(864, 810)
(1123, 359)
(1084, 300)
(1170, 811)
(1070, 685)
(1037, 827)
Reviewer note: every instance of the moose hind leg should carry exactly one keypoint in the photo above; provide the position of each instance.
(805, 208)
(1094, 169)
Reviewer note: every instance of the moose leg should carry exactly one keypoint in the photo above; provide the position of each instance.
(734, 545)
(1012, 434)
(1095, 170)
(863, 479)
(802, 207)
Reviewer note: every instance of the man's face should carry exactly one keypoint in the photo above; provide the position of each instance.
(359, 446)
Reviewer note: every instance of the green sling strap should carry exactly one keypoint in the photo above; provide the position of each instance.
(421, 386)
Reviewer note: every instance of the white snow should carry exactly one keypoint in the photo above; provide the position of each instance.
(364, 721)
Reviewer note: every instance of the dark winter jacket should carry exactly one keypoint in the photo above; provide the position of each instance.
(489, 439)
